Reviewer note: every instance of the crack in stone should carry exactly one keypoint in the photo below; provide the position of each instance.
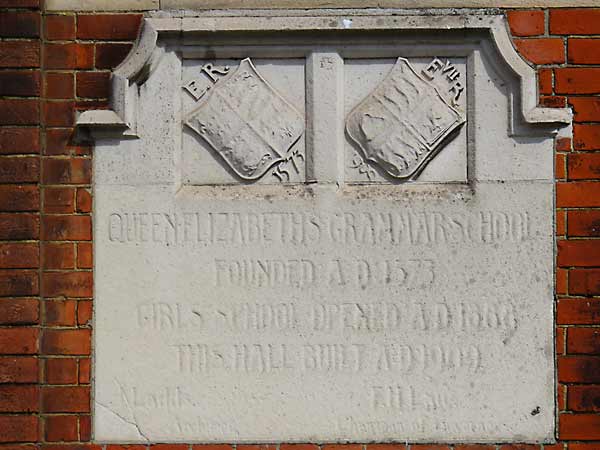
(138, 429)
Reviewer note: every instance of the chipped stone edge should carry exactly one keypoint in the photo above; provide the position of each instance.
(145, 55)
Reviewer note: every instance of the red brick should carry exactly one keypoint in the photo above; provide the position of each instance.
(93, 84)
(66, 228)
(560, 340)
(583, 446)
(69, 56)
(60, 28)
(108, 26)
(67, 171)
(59, 114)
(58, 256)
(18, 283)
(542, 51)
(584, 166)
(577, 80)
(579, 194)
(243, 447)
(429, 447)
(19, 169)
(84, 255)
(59, 200)
(19, 311)
(19, 111)
(18, 428)
(143, 447)
(519, 447)
(18, 369)
(19, 198)
(586, 137)
(561, 222)
(553, 101)
(579, 369)
(19, 54)
(583, 51)
(61, 428)
(585, 427)
(85, 428)
(584, 223)
(25, 83)
(575, 21)
(19, 226)
(60, 313)
(586, 109)
(578, 311)
(19, 140)
(474, 447)
(83, 446)
(545, 81)
(19, 255)
(560, 166)
(108, 56)
(526, 22)
(84, 200)
(368, 447)
(585, 282)
(65, 399)
(583, 341)
(19, 398)
(58, 141)
(85, 371)
(19, 340)
(67, 284)
(84, 312)
(584, 398)
(281, 447)
(61, 371)
(19, 24)
(66, 342)
(581, 253)
(561, 397)
(561, 281)
(59, 85)
(185, 447)
(563, 145)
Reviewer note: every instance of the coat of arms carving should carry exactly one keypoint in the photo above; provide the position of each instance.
(248, 124)
(403, 123)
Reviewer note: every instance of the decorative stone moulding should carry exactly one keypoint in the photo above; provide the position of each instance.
(324, 226)
(140, 62)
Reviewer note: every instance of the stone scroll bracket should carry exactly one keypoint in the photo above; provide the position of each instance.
(144, 57)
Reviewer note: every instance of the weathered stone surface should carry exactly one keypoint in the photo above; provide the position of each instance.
(334, 305)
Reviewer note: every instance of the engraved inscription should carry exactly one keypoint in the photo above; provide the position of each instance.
(302, 229)
(402, 124)
(249, 125)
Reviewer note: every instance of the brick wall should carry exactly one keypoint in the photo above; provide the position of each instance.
(52, 65)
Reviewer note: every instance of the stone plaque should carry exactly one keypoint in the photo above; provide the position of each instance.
(324, 237)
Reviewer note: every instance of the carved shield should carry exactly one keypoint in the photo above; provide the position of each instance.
(403, 122)
(247, 122)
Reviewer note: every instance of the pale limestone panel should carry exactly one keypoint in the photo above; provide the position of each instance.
(322, 315)
(325, 310)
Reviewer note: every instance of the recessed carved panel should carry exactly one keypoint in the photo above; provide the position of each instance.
(403, 122)
(248, 123)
